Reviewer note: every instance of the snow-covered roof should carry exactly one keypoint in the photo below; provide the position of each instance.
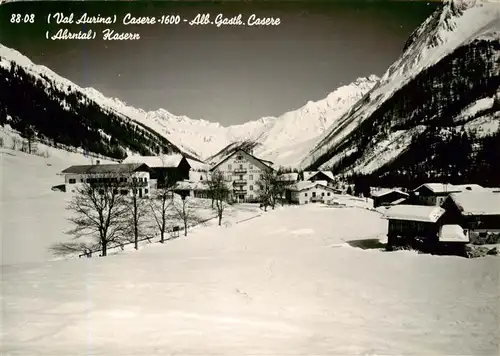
(399, 201)
(309, 174)
(190, 185)
(167, 161)
(198, 165)
(452, 233)
(414, 212)
(113, 168)
(440, 188)
(385, 191)
(288, 177)
(304, 185)
(477, 203)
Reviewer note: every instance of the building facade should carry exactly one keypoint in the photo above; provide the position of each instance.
(124, 178)
(311, 192)
(242, 172)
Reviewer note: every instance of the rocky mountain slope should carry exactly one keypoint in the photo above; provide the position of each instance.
(446, 81)
(39, 103)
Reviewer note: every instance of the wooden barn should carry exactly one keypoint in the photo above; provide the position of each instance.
(476, 212)
(166, 169)
(386, 197)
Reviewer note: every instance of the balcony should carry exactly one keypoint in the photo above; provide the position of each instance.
(240, 171)
(239, 191)
(240, 182)
(316, 200)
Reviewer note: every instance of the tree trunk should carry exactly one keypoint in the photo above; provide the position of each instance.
(220, 219)
(104, 250)
(185, 229)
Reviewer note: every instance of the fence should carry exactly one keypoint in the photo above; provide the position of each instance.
(175, 229)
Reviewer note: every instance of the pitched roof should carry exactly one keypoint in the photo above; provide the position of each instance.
(477, 202)
(245, 152)
(438, 188)
(382, 192)
(326, 173)
(190, 185)
(422, 213)
(105, 168)
(166, 161)
(305, 185)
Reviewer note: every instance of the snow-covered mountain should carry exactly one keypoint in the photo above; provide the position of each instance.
(285, 139)
(446, 77)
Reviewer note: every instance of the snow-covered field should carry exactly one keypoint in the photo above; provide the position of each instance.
(283, 283)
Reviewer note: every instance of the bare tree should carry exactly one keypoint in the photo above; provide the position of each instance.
(269, 189)
(160, 204)
(219, 192)
(137, 207)
(100, 209)
(185, 211)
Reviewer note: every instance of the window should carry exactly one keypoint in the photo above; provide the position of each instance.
(328, 194)
(88, 180)
(115, 191)
(101, 191)
(82, 180)
(239, 158)
(322, 194)
(250, 177)
(251, 187)
(305, 194)
(241, 177)
(201, 177)
(241, 166)
(314, 194)
(146, 191)
(72, 181)
(124, 192)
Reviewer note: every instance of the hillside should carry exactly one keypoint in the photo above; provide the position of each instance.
(445, 85)
(38, 102)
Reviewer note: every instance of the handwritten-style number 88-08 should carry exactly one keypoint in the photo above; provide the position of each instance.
(18, 18)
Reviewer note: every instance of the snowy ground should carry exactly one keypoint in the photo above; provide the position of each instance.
(32, 215)
(284, 283)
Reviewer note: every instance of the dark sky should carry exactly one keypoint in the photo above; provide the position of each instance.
(228, 74)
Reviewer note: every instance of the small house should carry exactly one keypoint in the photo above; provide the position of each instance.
(434, 194)
(186, 188)
(288, 178)
(409, 223)
(476, 212)
(166, 169)
(311, 192)
(386, 197)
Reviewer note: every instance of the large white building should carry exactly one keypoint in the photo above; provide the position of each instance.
(130, 176)
(242, 171)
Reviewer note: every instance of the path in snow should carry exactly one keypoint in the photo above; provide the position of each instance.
(272, 285)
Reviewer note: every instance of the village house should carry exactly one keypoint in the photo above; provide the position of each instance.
(311, 192)
(288, 178)
(386, 197)
(166, 169)
(242, 171)
(313, 176)
(434, 194)
(130, 176)
(194, 189)
(477, 213)
(409, 223)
